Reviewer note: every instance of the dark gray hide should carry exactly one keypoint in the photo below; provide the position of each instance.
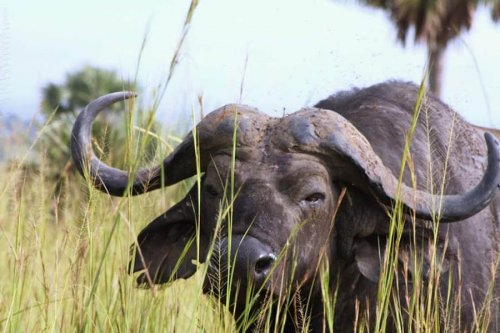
(290, 175)
(383, 113)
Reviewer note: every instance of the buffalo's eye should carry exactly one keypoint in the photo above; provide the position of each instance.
(212, 191)
(314, 198)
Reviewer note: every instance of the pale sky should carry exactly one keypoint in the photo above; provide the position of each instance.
(297, 52)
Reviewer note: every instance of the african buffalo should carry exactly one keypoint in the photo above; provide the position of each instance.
(317, 189)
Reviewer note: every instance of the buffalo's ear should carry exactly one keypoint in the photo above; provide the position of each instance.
(359, 216)
(368, 258)
(166, 248)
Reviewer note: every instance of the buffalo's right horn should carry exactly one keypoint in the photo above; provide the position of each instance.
(326, 133)
(215, 131)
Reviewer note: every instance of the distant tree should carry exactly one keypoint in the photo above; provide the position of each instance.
(80, 88)
(436, 23)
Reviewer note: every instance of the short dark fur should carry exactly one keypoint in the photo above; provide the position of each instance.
(290, 174)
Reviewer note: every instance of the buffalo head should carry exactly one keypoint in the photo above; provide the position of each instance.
(270, 192)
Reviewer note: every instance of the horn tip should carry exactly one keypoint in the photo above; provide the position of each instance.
(492, 143)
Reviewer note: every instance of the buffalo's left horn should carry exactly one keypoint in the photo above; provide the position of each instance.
(215, 131)
(328, 134)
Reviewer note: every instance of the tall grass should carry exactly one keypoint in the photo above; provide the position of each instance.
(64, 263)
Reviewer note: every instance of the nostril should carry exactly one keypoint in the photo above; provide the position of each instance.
(264, 264)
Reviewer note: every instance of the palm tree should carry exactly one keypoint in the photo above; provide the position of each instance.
(436, 23)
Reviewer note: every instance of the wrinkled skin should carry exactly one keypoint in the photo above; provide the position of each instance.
(293, 205)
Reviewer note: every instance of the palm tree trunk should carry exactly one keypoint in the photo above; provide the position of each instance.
(436, 59)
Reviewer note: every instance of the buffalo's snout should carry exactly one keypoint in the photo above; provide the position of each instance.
(251, 260)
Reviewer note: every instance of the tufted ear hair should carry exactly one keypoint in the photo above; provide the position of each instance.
(369, 253)
(362, 228)
(359, 216)
(166, 248)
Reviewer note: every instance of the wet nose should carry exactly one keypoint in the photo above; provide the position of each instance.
(264, 263)
(252, 259)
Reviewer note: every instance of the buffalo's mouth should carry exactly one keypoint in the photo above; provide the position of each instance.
(256, 306)
(250, 275)
(243, 269)
(240, 296)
